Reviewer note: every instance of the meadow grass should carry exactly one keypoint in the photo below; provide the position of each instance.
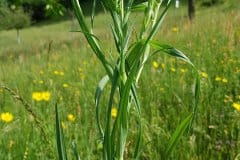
(69, 73)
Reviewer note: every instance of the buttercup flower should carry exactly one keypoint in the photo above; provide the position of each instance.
(175, 29)
(236, 106)
(114, 112)
(46, 96)
(173, 69)
(56, 72)
(6, 117)
(41, 82)
(71, 117)
(204, 74)
(218, 79)
(163, 65)
(61, 73)
(224, 80)
(65, 85)
(183, 70)
(41, 96)
(37, 96)
(155, 64)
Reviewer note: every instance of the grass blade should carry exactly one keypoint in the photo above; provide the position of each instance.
(177, 135)
(93, 14)
(170, 51)
(138, 109)
(108, 142)
(123, 110)
(158, 22)
(60, 138)
(91, 39)
(140, 7)
(75, 152)
(100, 87)
(180, 55)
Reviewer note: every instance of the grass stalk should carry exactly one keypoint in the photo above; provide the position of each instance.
(127, 70)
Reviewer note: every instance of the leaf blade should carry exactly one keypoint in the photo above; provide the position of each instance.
(60, 137)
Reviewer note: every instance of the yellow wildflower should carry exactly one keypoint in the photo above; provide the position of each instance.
(218, 78)
(175, 29)
(6, 117)
(173, 69)
(61, 73)
(41, 96)
(114, 112)
(46, 96)
(65, 85)
(155, 64)
(236, 106)
(183, 70)
(163, 65)
(224, 80)
(56, 72)
(41, 82)
(37, 96)
(71, 117)
(204, 74)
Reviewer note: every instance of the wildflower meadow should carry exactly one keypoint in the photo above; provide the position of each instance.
(108, 85)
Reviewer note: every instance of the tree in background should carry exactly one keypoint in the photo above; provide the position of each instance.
(191, 9)
(13, 18)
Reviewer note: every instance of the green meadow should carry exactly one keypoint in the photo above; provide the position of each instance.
(53, 65)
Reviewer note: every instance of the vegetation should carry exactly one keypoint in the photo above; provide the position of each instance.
(46, 68)
(124, 73)
(14, 18)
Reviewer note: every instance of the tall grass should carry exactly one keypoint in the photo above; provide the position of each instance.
(124, 74)
(163, 88)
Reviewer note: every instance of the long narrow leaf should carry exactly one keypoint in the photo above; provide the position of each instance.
(140, 7)
(178, 54)
(100, 87)
(196, 97)
(108, 143)
(177, 135)
(123, 109)
(60, 137)
(138, 109)
(158, 22)
(171, 51)
(93, 14)
(75, 152)
(91, 40)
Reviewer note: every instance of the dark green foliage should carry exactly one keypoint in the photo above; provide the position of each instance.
(208, 3)
(14, 18)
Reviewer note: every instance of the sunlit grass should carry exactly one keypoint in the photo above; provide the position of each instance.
(165, 94)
